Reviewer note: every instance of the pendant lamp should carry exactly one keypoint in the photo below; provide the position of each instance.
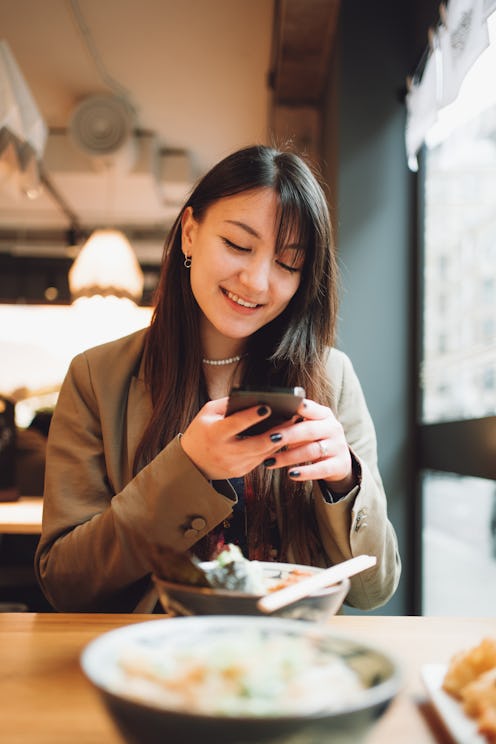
(107, 266)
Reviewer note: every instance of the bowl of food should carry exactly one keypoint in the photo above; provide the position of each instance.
(238, 679)
(232, 585)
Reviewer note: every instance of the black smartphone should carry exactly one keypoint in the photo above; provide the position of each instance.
(282, 401)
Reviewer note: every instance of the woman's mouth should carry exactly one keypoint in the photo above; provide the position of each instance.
(239, 300)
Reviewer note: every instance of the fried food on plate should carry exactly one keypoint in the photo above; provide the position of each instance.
(466, 666)
(471, 678)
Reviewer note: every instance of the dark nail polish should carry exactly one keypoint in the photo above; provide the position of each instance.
(269, 461)
(294, 473)
(262, 411)
(275, 437)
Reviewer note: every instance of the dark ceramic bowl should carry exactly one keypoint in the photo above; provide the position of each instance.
(338, 718)
(183, 599)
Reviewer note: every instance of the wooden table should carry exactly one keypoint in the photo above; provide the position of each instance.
(45, 699)
(22, 517)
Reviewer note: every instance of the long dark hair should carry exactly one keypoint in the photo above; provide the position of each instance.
(288, 351)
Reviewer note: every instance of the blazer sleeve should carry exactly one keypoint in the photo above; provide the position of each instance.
(92, 555)
(358, 523)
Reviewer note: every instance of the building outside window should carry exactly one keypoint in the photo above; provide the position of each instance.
(458, 369)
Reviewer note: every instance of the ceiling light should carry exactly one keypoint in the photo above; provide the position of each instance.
(106, 266)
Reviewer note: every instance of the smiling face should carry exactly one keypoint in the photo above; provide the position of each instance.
(237, 279)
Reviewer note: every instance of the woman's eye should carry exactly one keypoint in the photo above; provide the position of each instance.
(234, 246)
(287, 267)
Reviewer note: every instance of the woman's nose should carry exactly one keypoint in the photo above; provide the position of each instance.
(256, 275)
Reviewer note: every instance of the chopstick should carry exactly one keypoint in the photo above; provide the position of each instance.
(282, 597)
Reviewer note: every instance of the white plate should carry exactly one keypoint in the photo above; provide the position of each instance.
(462, 728)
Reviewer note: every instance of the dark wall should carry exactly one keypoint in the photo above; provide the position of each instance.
(26, 279)
(380, 44)
(43, 280)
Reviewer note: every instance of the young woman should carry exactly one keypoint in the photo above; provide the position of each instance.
(140, 452)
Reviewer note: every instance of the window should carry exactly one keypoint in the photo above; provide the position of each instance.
(457, 412)
(459, 545)
(459, 329)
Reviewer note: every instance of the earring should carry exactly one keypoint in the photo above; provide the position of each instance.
(187, 262)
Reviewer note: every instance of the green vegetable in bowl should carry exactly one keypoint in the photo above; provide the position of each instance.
(232, 571)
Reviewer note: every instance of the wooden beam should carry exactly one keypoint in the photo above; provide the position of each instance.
(304, 35)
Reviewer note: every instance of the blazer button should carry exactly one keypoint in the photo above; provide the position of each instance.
(198, 524)
(190, 533)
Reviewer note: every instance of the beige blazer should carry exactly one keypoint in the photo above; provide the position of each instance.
(98, 520)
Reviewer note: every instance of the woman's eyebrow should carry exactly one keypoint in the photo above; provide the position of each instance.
(245, 227)
(251, 231)
(293, 247)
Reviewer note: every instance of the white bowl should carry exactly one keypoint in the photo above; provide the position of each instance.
(336, 719)
(184, 599)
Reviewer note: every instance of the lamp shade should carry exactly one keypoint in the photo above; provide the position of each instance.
(106, 265)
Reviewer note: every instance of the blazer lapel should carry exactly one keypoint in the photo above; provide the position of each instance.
(139, 411)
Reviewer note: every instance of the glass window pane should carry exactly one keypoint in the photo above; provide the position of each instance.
(458, 374)
(458, 545)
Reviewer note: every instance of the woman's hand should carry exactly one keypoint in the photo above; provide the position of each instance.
(213, 443)
(315, 448)
(312, 448)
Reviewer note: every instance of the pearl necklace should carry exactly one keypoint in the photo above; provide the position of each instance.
(222, 362)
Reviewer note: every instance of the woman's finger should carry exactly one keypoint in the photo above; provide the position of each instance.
(236, 423)
(309, 409)
(330, 470)
(216, 443)
(240, 423)
(315, 448)
(308, 452)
